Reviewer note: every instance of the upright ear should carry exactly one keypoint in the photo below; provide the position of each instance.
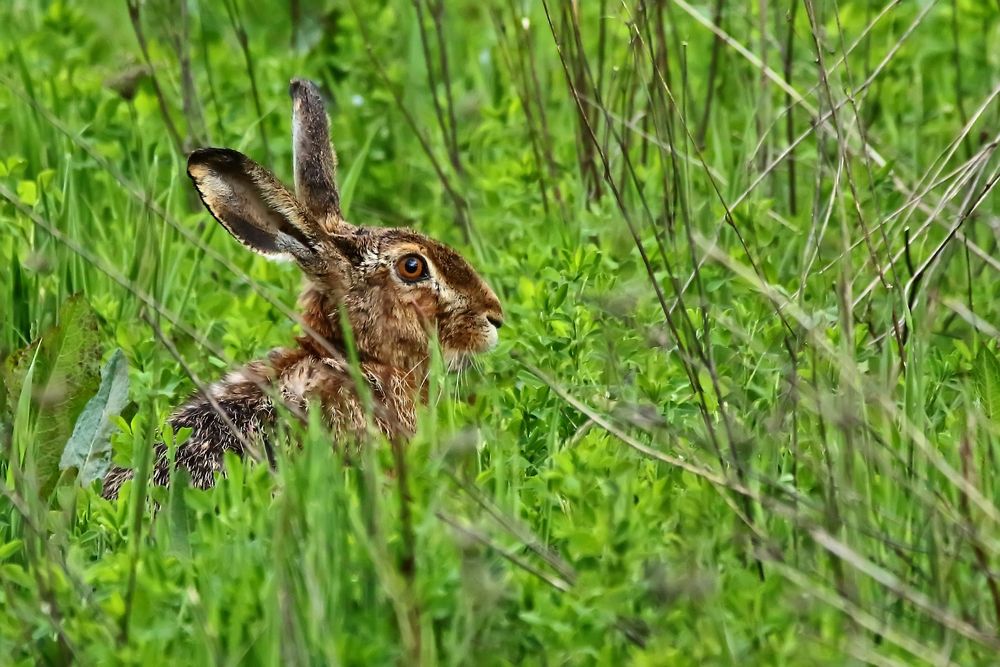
(315, 160)
(252, 205)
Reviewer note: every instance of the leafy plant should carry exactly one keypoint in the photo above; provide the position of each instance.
(88, 450)
(65, 360)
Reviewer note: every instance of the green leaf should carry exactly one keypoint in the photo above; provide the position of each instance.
(67, 360)
(178, 512)
(559, 296)
(987, 377)
(9, 549)
(89, 448)
(350, 181)
(21, 412)
(27, 192)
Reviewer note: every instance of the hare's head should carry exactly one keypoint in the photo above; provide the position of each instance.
(398, 289)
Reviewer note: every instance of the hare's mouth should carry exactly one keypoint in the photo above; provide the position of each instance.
(481, 339)
(458, 360)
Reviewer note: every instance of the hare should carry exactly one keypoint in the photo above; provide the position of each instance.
(396, 290)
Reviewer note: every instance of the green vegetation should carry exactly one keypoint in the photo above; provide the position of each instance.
(746, 408)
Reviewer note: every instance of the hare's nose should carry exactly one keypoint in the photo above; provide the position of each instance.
(495, 321)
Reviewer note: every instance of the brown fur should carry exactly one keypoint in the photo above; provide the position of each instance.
(350, 272)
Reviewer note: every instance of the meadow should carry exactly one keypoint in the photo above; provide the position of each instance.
(745, 409)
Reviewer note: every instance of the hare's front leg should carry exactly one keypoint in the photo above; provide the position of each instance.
(239, 418)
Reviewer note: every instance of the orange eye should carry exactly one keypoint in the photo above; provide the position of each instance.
(412, 268)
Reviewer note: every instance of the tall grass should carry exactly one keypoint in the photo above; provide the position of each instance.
(746, 408)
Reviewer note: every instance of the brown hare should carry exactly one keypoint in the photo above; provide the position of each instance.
(398, 290)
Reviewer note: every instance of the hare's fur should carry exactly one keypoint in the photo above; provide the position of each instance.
(356, 275)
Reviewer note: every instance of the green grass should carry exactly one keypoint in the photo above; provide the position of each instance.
(770, 437)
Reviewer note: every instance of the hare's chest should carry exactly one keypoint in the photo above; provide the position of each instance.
(386, 400)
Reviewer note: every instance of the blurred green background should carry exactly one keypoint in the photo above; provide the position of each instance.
(745, 408)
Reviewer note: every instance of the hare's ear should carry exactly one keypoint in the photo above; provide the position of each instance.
(252, 205)
(315, 159)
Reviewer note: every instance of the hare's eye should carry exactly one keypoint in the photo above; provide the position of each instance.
(412, 268)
